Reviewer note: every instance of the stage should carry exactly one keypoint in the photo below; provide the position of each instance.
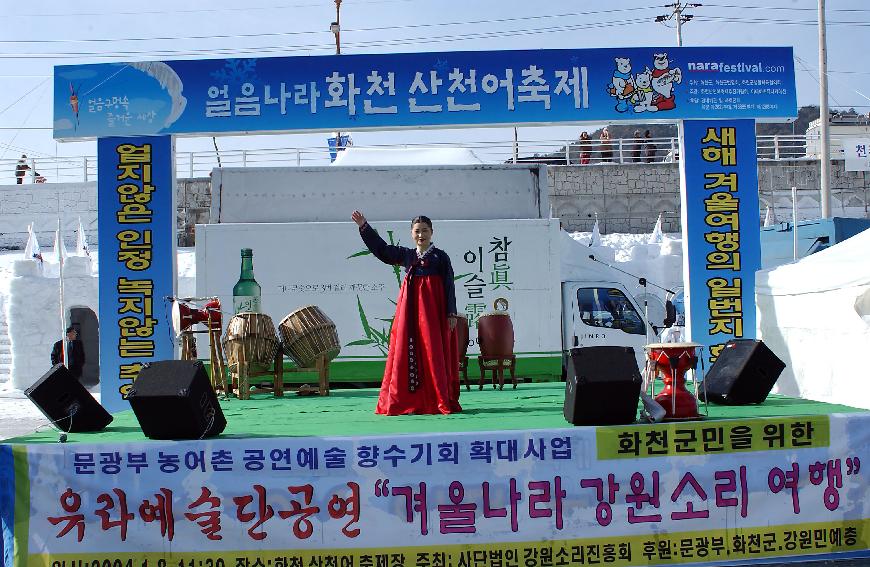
(314, 481)
(351, 413)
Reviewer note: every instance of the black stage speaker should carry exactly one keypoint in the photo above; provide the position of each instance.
(173, 399)
(63, 400)
(744, 373)
(602, 386)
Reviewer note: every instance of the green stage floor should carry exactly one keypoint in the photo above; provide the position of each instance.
(351, 413)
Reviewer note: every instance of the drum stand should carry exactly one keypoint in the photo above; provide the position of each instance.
(321, 366)
(497, 364)
(244, 372)
(463, 370)
(188, 346)
(219, 379)
(216, 356)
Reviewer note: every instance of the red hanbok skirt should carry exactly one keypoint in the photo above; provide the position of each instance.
(437, 357)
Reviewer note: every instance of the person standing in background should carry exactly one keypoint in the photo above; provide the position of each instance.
(21, 169)
(606, 146)
(75, 353)
(585, 148)
(637, 147)
(649, 147)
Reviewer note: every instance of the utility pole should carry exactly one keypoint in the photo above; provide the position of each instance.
(677, 14)
(335, 28)
(824, 118)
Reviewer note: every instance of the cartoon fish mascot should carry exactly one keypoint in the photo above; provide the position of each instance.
(643, 94)
(663, 79)
(621, 86)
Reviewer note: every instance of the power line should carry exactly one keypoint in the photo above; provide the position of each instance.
(319, 32)
(193, 11)
(305, 47)
(788, 22)
(17, 100)
(785, 8)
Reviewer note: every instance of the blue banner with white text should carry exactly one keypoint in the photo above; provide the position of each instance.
(378, 91)
(135, 197)
(721, 230)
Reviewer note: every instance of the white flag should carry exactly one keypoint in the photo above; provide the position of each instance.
(82, 241)
(32, 250)
(657, 237)
(596, 233)
(60, 253)
(769, 217)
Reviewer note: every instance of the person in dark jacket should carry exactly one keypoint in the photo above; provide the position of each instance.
(21, 169)
(75, 353)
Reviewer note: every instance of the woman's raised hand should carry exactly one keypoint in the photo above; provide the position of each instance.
(358, 218)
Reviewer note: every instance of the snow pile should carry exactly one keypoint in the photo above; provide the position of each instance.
(31, 304)
(33, 313)
(634, 257)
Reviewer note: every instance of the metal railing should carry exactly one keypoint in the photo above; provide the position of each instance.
(552, 152)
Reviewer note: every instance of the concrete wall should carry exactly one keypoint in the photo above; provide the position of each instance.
(629, 197)
(41, 204)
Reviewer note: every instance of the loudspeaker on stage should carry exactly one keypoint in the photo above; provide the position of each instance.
(173, 399)
(744, 373)
(66, 402)
(602, 386)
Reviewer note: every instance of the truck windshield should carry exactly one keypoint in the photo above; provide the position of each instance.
(608, 307)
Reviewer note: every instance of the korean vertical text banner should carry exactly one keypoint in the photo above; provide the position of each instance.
(136, 200)
(722, 230)
(409, 90)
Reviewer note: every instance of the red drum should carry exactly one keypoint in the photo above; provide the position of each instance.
(673, 360)
(462, 336)
(495, 332)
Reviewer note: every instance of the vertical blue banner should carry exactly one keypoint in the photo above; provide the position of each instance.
(7, 505)
(136, 200)
(721, 239)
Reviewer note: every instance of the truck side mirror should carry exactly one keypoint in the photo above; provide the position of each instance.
(670, 314)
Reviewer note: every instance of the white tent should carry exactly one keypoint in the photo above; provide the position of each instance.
(815, 315)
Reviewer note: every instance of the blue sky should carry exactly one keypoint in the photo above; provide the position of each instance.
(36, 35)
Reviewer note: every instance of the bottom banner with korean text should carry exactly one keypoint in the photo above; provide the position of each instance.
(667, 494)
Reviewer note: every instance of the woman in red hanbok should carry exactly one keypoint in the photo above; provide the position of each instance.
(422, 373)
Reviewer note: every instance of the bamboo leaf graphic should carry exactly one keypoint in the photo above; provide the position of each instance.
(361, 342)
(358, 254)
(460, 276)
(362, 318)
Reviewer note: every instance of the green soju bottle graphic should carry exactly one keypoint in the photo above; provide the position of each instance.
(246, 292)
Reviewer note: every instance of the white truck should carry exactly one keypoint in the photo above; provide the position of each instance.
(501, 241)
